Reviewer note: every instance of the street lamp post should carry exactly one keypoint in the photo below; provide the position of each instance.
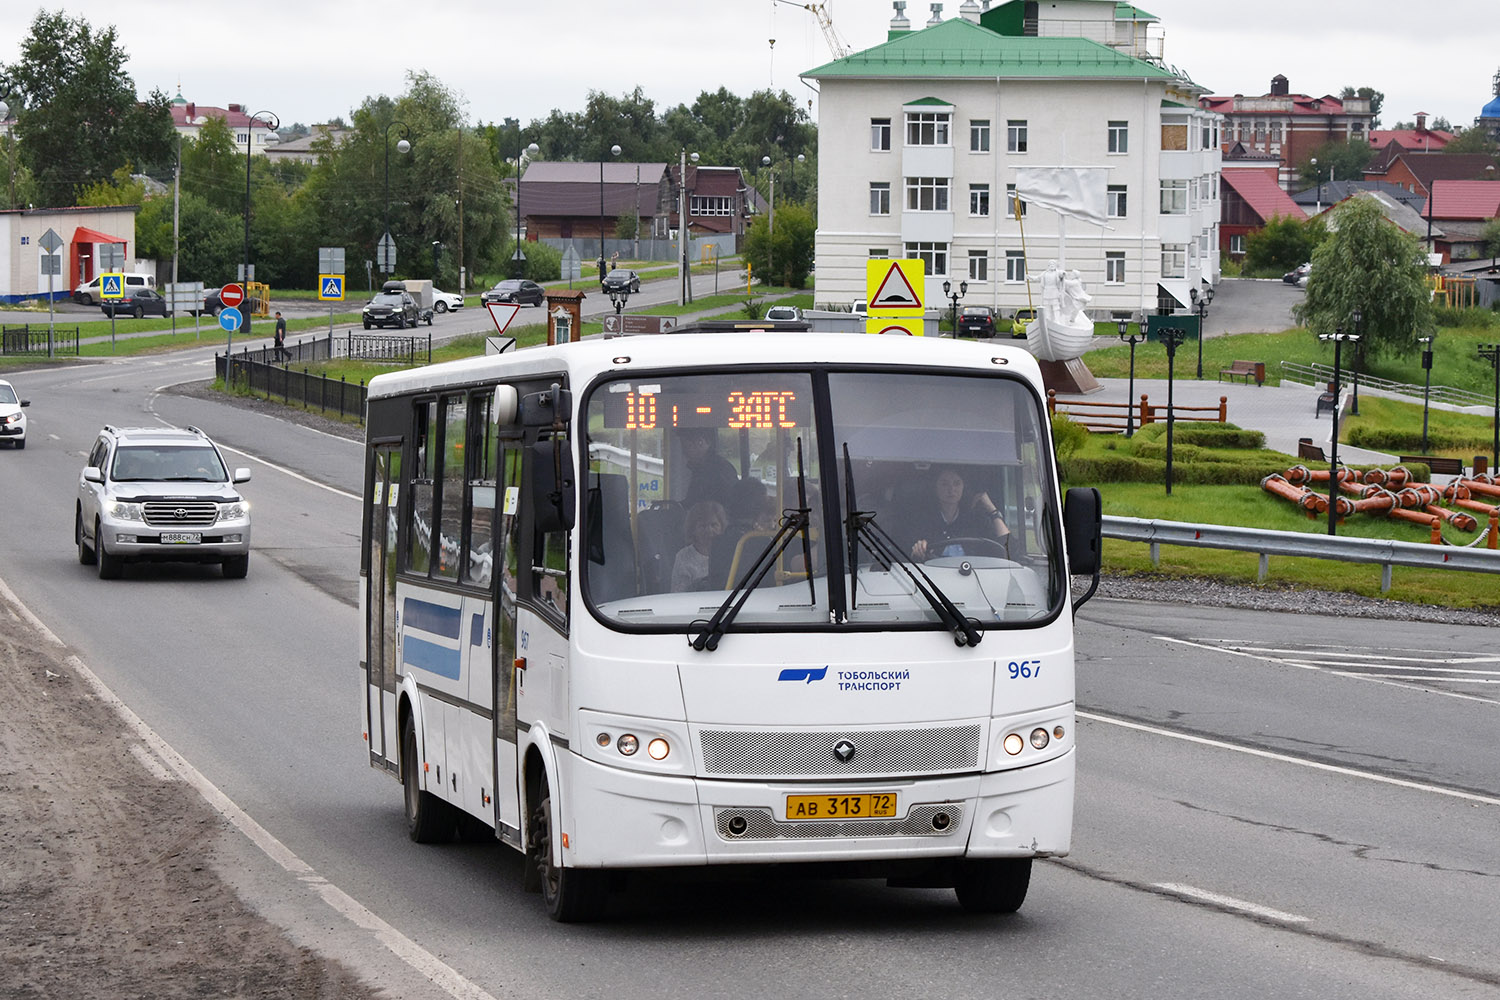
(1426, 343)
(684, 269)
(1491, 353)
(388, 241)
(617, 298)
(765, 161)
(963, 289)
(1132, 339)
(518, 259)
(1358, 317)
(614, 151)
(1338, 337)
(1172, 337)
(1200, 306)
(249, 138)
(1314, 161)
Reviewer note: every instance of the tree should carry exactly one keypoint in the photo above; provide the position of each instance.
(213, 167)
(1491, 236)
(78, 118)
(1375, 97)
(1282, 244)
(1344, 161)
(786, 258)
(1473, 140)
(1368, 264)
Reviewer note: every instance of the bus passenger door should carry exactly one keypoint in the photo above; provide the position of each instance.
(503, 671)
(380, 609)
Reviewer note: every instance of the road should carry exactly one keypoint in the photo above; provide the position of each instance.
(1269, 804)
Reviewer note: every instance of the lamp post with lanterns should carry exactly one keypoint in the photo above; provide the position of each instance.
(1491, 353)
(952, 296)
(1132, 339)
(1338, 337)
(1426, 343)
(1172, 338)
(387, 241)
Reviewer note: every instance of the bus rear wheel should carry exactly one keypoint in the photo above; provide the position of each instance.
(571, 895)
(429, 820)
(993, 885)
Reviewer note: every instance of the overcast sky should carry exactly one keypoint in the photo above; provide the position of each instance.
(309, 62)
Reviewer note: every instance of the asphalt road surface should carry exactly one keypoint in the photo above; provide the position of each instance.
(1269, 804)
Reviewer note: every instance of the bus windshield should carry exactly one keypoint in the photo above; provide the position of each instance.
(917, 499)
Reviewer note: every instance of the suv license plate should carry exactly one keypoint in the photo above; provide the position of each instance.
(866, 805)
(181, 537)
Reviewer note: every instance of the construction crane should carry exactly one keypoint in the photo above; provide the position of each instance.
(836, 44)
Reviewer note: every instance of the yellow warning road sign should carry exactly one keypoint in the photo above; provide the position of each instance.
(894, 287)
(911, 326)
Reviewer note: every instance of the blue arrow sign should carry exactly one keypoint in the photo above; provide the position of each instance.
(331, 287)
(231, 318)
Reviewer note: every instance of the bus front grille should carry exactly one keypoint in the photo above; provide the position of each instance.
(842, 754)
(755, 823)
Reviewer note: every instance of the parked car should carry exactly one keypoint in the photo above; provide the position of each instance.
(1019, 321)
(12, 418)
(784, 313)
(396, 309)
(162, 494)
(515, 290)
(622, 279)
(443, 301)
(1297, 275)
(976, 321)
(139, 302)
(860, 307)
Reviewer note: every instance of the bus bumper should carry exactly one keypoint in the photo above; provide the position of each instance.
(626, 819)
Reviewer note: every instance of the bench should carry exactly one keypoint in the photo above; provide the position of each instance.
(1326, 401)
(1245, 371)
(1306, 449)
(1440, 466)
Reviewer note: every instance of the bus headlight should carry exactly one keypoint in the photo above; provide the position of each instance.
(1039, 738)
(1014, 744)
(658, 749)
(627, 744)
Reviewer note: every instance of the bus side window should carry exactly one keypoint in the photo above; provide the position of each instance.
(420, 529)
(448, 526)
(482, 451)
(549, 569)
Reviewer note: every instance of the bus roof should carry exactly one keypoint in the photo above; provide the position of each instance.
(584, 359)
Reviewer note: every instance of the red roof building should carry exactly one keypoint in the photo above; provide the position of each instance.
(188, 117)
(1473, 201)
(1414, 140)
(1418, 171)
(1249, 198)
(1290, 126)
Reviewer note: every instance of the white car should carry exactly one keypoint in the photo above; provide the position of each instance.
(12, 419)
(443, 301)
(784, 313)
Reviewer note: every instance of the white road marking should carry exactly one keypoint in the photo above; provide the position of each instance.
(150, 763)
(423, 961)
(1229, 902)
(1347, 772)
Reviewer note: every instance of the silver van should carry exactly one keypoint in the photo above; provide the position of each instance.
(87, 294)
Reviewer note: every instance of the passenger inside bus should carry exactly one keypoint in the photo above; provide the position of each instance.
(949, 515)
(710, 475)
(705, 523)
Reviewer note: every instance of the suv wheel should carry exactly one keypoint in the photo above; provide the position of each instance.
(110, 567)
(236, 567)
(85, 554)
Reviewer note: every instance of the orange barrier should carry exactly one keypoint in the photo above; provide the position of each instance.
(1381, 491)
(1457, 518)
(1482, 484)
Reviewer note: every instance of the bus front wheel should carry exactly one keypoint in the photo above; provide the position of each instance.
(429, 820)
(993, 885)
(571, 895)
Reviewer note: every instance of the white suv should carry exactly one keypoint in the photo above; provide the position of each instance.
(160, 494)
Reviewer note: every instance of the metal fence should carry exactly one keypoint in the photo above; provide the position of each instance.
(1267, 543)
(23, 340)
(1320, 374)
(257, 371)
(388, 349)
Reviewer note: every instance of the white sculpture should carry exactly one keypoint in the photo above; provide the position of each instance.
(1074, 298)
(1061, 330)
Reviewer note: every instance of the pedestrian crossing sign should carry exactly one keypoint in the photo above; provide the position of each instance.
(331, 287)
(112, 286)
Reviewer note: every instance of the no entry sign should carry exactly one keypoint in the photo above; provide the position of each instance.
(231, 295)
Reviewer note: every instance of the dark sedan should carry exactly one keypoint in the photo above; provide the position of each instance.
(515, 290)
(622, 280)
(140, 302)
(976, 321)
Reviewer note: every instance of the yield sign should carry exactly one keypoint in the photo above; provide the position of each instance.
(894, 286)
(502, 313)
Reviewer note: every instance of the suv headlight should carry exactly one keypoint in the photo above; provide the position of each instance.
(122, 511)
(234, 511)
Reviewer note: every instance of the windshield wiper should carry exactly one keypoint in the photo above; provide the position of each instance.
(861, 524)
(794, 521)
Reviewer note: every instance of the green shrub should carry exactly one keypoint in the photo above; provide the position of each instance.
(1474, 318)
(1402, 441)
(1219, 436)
(1157, 451)
(1067, 436)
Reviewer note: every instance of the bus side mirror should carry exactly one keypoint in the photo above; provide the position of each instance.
(552, 487)
(1083, 533)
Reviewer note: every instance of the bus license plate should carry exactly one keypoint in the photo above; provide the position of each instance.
(865, 805)
(181, 537)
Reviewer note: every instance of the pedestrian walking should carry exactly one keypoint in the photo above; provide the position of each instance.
(282, 354)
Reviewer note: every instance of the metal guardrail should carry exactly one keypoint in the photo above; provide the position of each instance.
(1267, 543)
(23, 340)
(1320, 374)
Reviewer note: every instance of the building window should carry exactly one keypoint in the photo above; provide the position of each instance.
(1015, 135)
(934, 256)
(979, 266)
(1119, 137)
(1114, 267)
(1237, 243)
(711, 205)
(1174, 137)
(927, 128)
(927, 194)
(880, 135)
(979, 135)
(1208, 134)
(1174, 197)
(979, 199)
(880, 198)
(1015, 266)
(1174, 260)
(880, 253)
(1115, 201)
(1013, 205)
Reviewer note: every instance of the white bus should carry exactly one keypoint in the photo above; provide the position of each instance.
(664, 601)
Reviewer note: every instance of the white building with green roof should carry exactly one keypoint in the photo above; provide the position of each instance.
(920, 139)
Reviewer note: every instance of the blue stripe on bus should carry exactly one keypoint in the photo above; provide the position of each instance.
(434, 618)
(476, 630)
(431, 657)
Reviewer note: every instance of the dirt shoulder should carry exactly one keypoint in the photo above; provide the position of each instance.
(108, 884)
